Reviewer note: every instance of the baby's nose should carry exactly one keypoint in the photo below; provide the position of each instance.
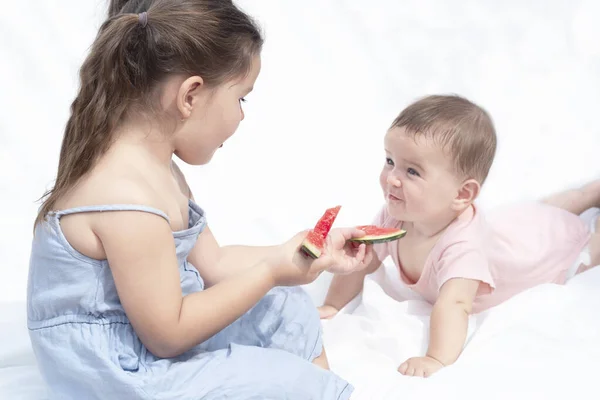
(392, 180)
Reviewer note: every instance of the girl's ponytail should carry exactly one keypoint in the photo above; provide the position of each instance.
(112, 75)
(137, 47)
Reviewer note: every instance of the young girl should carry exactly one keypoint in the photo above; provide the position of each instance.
(438, 153)
(130, 296)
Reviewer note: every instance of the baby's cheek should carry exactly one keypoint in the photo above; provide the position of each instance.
(421, 200)
(383, 180)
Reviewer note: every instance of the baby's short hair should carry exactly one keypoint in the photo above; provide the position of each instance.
(461, 127)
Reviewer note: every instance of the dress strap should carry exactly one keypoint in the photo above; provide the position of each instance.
(111, 207)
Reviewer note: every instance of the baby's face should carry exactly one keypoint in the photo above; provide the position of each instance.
(417, 178)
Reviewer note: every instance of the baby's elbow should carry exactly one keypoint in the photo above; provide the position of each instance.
(453, 304)
(464, 305)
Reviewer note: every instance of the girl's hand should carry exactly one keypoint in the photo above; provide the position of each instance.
(346, 257)
(291, 267)
(344, 254)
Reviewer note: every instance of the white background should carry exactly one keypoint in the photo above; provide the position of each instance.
(335, 74)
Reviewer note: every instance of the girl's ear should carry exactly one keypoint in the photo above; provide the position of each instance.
(467, 193)
(188, 95)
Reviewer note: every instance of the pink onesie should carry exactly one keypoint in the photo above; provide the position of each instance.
(509, 250)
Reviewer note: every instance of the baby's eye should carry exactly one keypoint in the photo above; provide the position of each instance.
(242, 100)
(411, 171)
(389, 161)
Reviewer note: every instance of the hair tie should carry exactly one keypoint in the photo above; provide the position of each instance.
(143, 19)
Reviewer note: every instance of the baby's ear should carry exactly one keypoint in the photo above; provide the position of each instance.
(467, 193)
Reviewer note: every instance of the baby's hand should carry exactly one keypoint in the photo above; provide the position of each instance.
(420, 366)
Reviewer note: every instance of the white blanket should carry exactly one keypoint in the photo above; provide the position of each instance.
(19, 377)
(543, 343)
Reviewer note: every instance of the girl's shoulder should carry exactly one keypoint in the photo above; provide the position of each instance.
(102, 189)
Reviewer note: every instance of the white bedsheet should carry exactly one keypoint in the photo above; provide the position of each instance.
(336, 78)
(542, 344)
(19, 377)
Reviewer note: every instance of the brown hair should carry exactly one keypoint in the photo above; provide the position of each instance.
(131, 54)
(456, 124)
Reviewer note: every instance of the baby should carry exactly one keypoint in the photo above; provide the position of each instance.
(439, 151)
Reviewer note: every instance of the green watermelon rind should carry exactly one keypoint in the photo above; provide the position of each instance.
(374, 239)
(310, 250)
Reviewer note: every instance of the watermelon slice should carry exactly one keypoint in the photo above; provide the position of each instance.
(315, 240)
(377, 234)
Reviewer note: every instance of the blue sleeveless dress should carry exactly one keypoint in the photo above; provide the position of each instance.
(87, 349)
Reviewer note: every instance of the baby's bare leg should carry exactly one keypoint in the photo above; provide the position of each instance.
(577, 200)
(321, 361)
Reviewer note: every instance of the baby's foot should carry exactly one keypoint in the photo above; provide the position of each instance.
(594, 249)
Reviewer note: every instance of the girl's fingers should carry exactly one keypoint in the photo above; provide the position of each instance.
(362, 252)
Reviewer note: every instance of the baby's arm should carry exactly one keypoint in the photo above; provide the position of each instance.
(448, 328)
(450, 319)
(344, 288)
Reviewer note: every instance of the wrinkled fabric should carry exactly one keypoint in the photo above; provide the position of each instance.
(87, 349)
(509, 250)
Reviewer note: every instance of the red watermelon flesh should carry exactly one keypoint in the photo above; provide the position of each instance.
(315, 240)
(376, 230)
